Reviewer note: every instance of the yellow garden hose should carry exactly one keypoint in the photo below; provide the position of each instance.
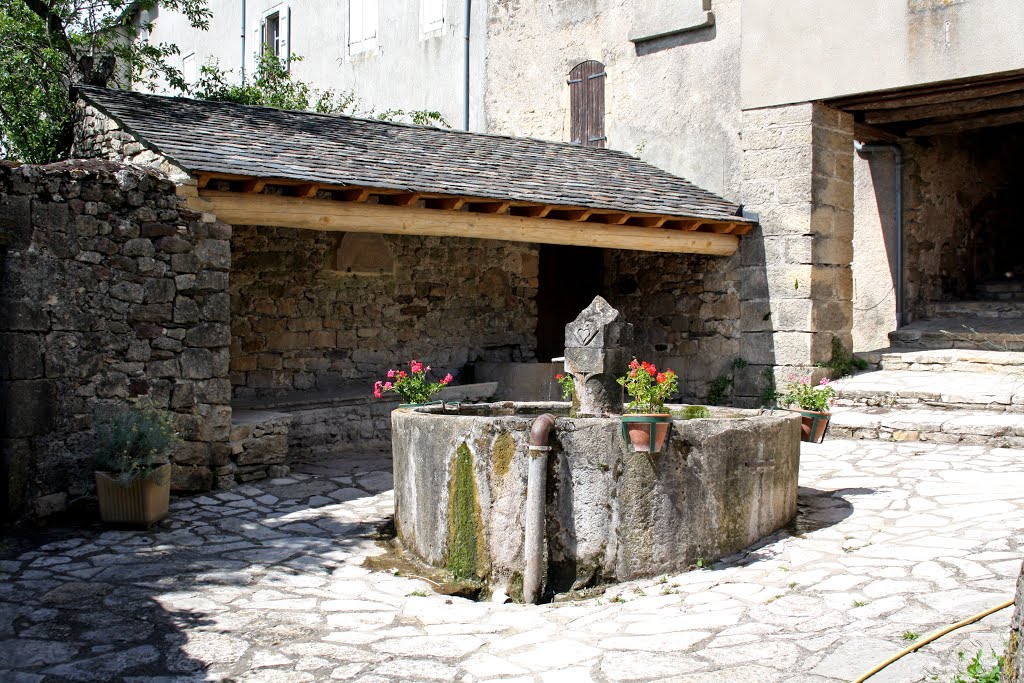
(929, 638)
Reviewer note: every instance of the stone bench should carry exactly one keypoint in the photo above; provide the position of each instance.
(259, 447)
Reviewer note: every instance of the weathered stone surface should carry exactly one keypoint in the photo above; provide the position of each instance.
(720, 485)
(597, 351)
(1013, 667)
(88, 307)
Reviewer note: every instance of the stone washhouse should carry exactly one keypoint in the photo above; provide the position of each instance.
(254, 270)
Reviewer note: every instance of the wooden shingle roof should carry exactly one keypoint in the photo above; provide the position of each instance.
(205, 137)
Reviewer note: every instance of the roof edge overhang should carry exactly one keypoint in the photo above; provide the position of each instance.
(278, 202)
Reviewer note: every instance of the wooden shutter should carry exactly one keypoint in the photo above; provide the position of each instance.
(586, 97)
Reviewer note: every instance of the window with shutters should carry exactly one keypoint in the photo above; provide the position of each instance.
(431, 15)
(362, 26)
(586, 101)
(274, 32)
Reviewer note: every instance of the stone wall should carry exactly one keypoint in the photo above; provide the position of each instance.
(97, 136)
(298, 325)
(685, 310)
(797, 284)
(112, 291)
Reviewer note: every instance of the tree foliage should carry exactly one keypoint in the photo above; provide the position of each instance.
(48, 45)
(273, 85)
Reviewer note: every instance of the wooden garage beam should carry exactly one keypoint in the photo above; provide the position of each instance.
(979, 105)
(969, 123)
(321, 214)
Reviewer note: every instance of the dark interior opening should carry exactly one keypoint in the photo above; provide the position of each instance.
(569, 279)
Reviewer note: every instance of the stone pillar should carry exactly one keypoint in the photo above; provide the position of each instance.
(597, 352)
(797, 282)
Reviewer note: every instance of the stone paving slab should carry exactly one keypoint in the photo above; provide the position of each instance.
(944, 360)
(266, 583)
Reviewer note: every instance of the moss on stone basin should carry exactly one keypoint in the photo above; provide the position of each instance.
(721, 483)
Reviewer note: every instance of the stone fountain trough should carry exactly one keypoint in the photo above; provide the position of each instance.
(609, 514)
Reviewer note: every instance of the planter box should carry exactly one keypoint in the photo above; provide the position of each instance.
(142, 503)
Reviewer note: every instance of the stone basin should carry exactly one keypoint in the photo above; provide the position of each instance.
(720, 484)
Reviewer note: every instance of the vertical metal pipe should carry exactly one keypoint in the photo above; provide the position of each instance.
(465, 66)
(536, 495)
(243, 43)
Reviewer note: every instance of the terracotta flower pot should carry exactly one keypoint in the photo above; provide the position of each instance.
(142, 503)
(639, 428)
(813, 425)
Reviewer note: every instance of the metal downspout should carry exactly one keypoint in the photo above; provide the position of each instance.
(536, 495)
(465, 67)
(243, 43)
(897, 153)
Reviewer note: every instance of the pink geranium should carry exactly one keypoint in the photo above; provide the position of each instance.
(413, 386)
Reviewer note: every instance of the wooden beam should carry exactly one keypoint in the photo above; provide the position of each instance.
(202, 180)
(447, 203)
(866, 133)
(322, 214)
(979, 105)
(684, 224)
(723, 228)
(949, 91)
(742, 228)
(972, 123)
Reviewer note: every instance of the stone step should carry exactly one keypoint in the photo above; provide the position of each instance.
(993, 334)
(951, 390)
(946, 360)
(1001, 290)
(976, 309)
(938, 426)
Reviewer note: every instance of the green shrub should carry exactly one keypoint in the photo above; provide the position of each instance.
(130, 443)
(842, 362)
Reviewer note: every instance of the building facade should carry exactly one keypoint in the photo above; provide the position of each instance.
(759, 102)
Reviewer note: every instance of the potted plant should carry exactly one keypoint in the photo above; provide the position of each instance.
(412, 386)
(812, 403)
(133, 475)
(647, 422)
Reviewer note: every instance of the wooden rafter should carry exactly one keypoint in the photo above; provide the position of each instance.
(323, 214)
(402, 199)
(449, 203)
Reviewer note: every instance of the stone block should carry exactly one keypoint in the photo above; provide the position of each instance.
(214, 254)
(30, 407)
(22, 357)
(159, 290)
(196, 363)
(185, 263)
(24, 316)
(191, 478)
(51, 504)
(209, 335)
(191, 453)
(140, 247)
(173, 245)
(214, 391)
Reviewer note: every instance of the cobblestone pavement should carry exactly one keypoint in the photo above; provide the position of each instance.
(266, 583)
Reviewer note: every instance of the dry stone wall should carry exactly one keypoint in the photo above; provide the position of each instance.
(685, 312)
(112, 291)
